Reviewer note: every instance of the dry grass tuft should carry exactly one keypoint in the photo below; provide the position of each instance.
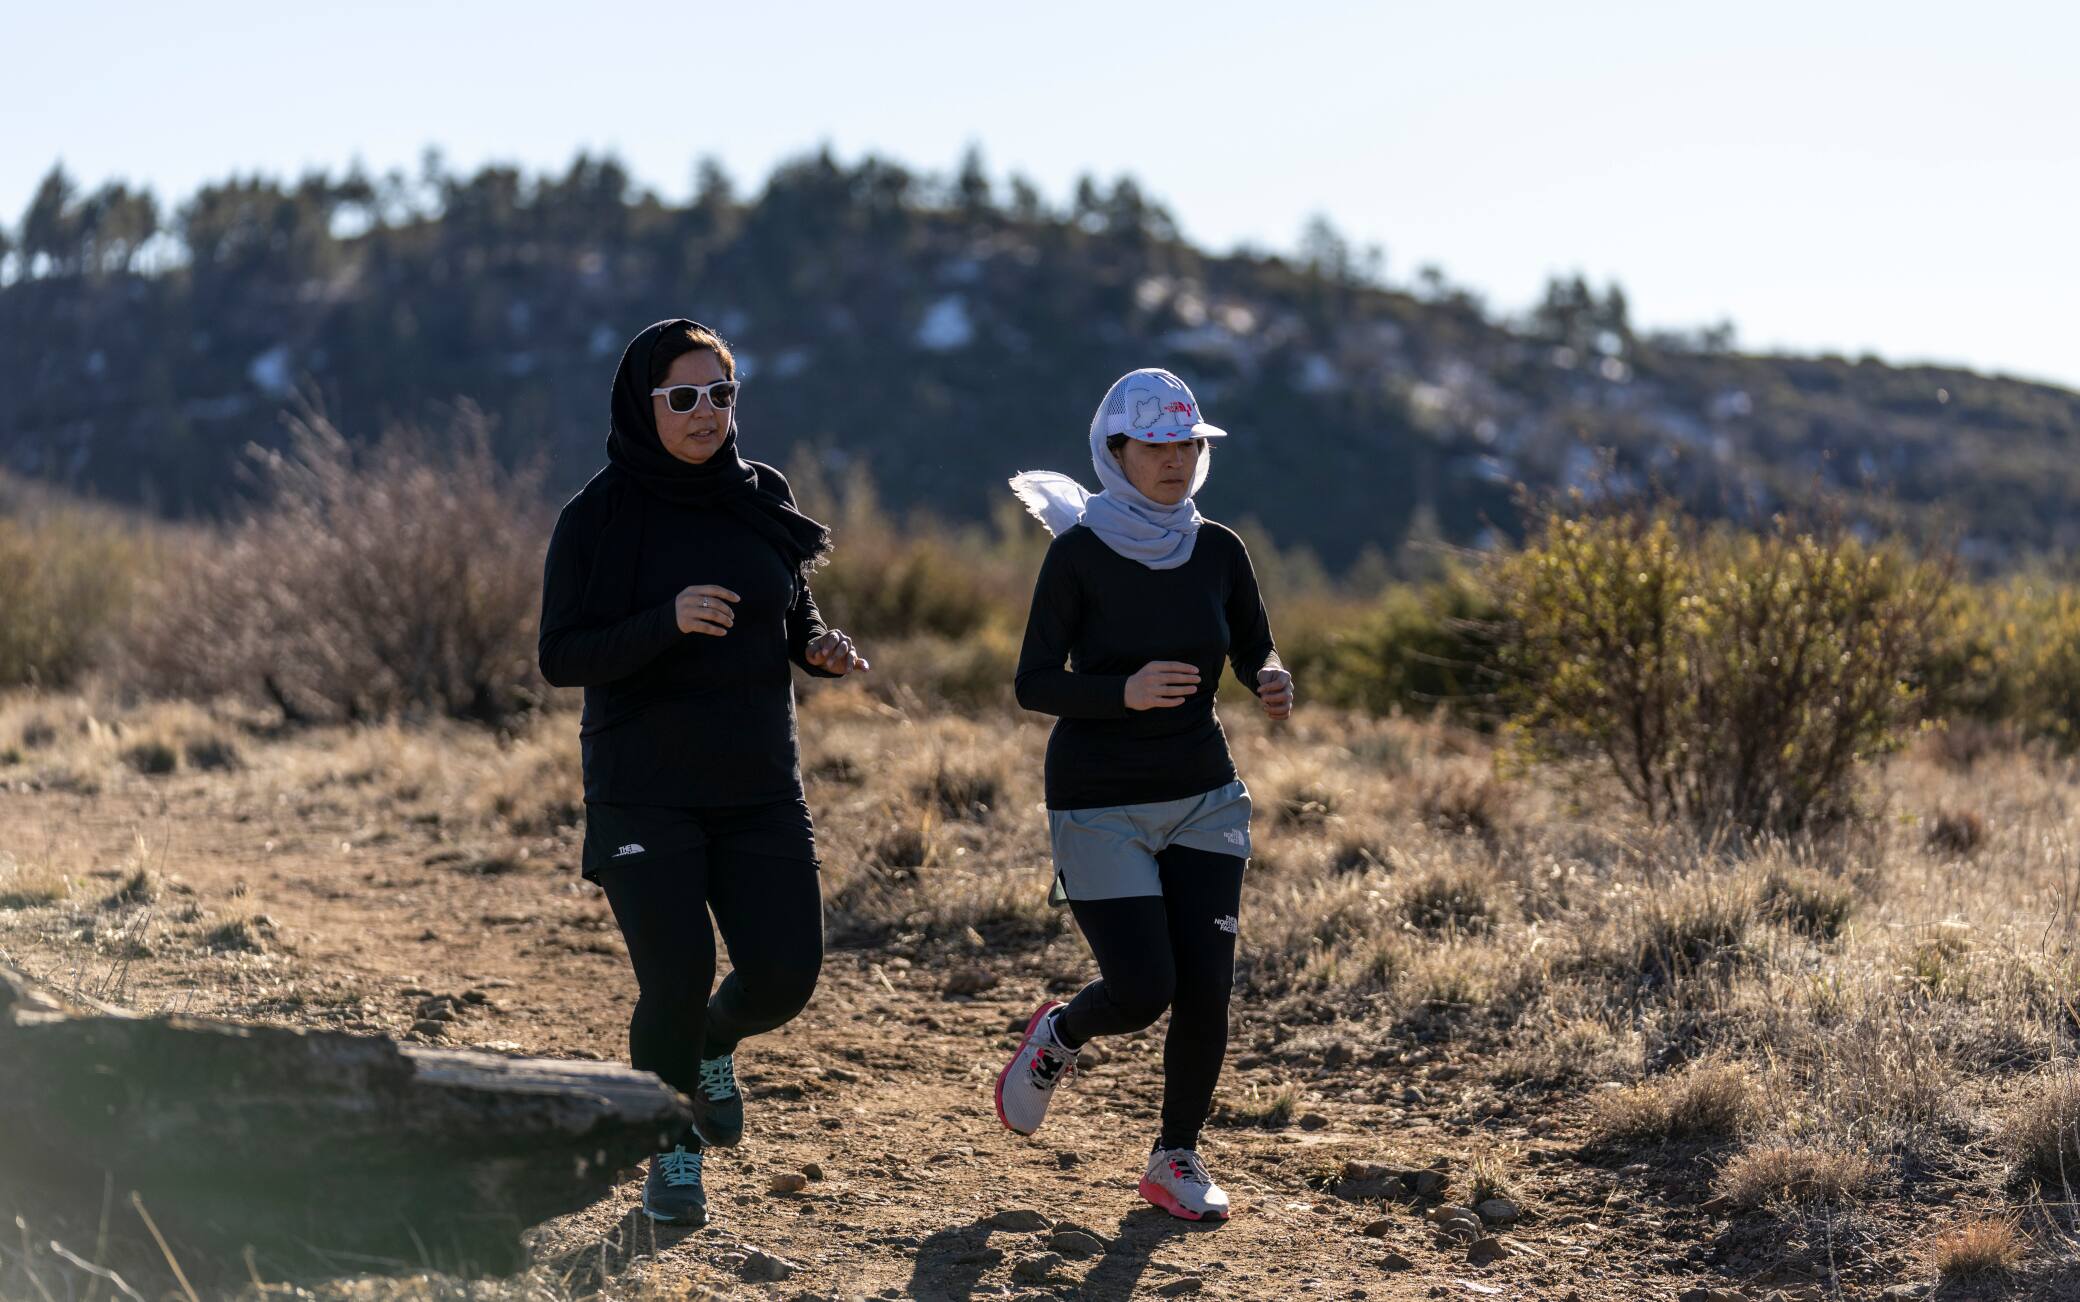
(1692, 926)
(1306, 806)
(1807, 902)
(1446, 901)
(960, 792)
(1793, 1173)
(140, 887)
(1463, 799)
(29, 888)
(1569, 1051)
(2042, 1134)
(211, 754)
(1956, 833)
(1981, 1246)
(242, 934)
(1269, 1108)
(152, 757)
(1707, 1100)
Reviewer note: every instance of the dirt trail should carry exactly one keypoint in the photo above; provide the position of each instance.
(883, 1085)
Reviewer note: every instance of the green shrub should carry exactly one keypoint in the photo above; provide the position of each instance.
(1413, 649)
(1726, 679)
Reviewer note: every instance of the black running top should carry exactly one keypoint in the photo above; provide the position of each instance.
(1106, 617)
(671, 718)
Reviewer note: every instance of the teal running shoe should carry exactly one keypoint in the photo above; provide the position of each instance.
(673, 1191)
(718, 1105)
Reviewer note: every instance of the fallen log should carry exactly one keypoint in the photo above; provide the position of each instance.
(310, 1147)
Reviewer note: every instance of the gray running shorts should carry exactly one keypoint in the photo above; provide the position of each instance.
(1110, 853)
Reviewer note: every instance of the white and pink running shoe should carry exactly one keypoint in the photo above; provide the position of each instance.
(1177, 1182)
(1026, 1085)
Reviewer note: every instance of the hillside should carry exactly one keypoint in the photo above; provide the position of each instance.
(941, 334)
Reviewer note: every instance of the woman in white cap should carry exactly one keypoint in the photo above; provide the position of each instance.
(1139, 601)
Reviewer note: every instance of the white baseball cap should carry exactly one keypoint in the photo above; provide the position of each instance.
(1154, 406)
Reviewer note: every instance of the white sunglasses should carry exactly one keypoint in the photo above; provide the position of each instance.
(682, 398)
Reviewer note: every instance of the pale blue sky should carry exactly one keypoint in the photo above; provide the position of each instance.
(1900, 178)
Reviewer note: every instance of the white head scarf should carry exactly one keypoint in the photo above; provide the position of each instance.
(1136, 527)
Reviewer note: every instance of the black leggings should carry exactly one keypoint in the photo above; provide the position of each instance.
(1174, 951)
(770, 911)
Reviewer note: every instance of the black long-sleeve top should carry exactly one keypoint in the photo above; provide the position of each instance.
(671, 718)
(1106, 617)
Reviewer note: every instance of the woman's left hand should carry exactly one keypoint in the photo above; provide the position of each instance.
(1275, 691)
(834, 654)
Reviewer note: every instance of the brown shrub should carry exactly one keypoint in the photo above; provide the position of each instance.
(396, 579)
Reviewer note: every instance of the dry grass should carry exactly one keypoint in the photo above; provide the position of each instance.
(2041, 1133)
(25, 887)
(1774, 1173)
(1707, 1100)
(1883, 995)
(1270, 1108)
(1957, 833)
(1450, 901)
(1979, 1247)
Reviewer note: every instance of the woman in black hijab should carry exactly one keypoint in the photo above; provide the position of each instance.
(676, 595)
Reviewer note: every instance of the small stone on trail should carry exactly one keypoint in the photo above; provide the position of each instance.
(1067, 1158)
(1719, 1205)
(1488, 1251)
(1180, 1287)
(1379, 1229)
(1313, 1121)
(813, 1170)
(1020, 1219)
(1395, 1261)
(1498, 1211)
(1429, 1183)
(426, 1026)
(765, 1268)
(1036, 1270)
(1075, 1244)
(787, 1182)
(972, 980)
(1713, 1295)
(840, 1075)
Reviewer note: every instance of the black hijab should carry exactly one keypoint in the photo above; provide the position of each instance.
(725, 481)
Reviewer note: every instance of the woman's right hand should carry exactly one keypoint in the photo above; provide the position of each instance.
(705, 608)
(1161, 685)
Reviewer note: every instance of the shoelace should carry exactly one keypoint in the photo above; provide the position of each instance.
(1050, 1068)
(680, 1167)
(1186, 1166)
(719, 1077)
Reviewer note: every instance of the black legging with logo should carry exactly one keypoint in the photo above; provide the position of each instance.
(1176, 951)
(769, 911)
